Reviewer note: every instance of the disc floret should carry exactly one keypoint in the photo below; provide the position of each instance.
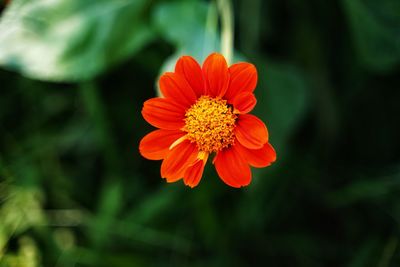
(210, 123)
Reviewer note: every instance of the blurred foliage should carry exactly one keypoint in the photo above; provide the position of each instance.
(20, 211)
(74, 190)
(375, 26)
(191, 26)
(71, 40)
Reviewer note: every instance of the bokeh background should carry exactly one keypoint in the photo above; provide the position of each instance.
(74, 190)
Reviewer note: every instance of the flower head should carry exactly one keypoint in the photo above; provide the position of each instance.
(204, 111)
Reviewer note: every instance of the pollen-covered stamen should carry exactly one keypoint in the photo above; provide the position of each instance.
(210, 123)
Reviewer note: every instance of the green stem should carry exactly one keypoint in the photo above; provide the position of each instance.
(227, 28)
(210, 29)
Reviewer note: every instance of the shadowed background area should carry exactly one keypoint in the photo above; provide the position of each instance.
(74, 190)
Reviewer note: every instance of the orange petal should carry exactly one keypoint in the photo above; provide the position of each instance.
(177, 160)
(243, 78)
(175, 87)
(258, 158)
(251, 132)
(155, 145)
(232, 167)
(191, 70)
(244, 102)
(194, 173)
(164, 114)
(216, 75)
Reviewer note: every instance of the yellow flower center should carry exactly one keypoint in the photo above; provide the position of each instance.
(210, 123)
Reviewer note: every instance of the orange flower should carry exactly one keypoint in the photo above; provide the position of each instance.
(204, 111)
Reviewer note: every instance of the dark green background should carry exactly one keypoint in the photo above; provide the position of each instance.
(74, 190)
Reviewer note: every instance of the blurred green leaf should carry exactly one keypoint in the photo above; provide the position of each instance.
(190, 25)
(20, 210)
(282, 100)
(376, 29)
(70, 40)
(366, 253)
(367, 189)
(28, 255)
